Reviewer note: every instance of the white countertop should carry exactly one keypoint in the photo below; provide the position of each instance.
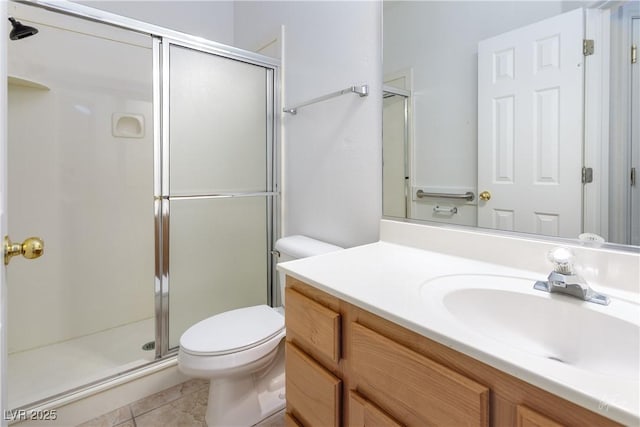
(386, 279)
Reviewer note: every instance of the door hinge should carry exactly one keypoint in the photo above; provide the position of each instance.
(587, 175)
(633, 177)
(587, 47)
(634, 54)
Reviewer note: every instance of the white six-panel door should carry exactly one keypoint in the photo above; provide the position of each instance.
(530, 127)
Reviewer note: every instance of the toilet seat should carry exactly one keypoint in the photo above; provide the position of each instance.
(232, 331)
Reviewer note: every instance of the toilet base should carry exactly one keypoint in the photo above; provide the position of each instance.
(247, 401)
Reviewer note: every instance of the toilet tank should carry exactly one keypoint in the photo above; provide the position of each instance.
(297, 247)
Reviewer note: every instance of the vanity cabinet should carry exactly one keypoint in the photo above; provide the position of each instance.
(313, 355)
(348, 367)
(412, 386)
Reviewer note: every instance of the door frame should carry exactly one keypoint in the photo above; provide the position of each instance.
(3, 217)
(620, 131)
(401, 83)
(595, 195)
(406, 99)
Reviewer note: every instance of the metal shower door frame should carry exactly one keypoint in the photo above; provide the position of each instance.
(162, 211)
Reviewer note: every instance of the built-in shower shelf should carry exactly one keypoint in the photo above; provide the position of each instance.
(19, 81)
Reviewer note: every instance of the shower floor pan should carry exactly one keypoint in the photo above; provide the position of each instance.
(43, 372)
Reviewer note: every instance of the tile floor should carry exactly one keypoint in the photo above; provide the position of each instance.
(183, 405)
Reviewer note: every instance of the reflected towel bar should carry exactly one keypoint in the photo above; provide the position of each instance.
(360, 90)
(469, 196)
(450, 210)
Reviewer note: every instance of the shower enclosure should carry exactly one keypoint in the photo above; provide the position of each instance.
(146, 161)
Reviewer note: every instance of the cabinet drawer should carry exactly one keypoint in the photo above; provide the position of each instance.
(313, 394)
(526, 417)
(363, 413)
(424, 391)
(315, 325)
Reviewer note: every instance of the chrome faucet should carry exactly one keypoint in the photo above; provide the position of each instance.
(564, 280)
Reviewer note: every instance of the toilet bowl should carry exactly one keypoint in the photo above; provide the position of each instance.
(241, 352)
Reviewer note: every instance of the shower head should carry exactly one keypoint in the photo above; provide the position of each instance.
(20, 31)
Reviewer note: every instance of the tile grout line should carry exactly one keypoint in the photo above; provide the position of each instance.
(130, 406)
(184, 397)
(133, 419)
(168, 402)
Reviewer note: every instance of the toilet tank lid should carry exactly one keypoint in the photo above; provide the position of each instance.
(298, 246)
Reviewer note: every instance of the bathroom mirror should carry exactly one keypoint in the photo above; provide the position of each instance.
(497, 114)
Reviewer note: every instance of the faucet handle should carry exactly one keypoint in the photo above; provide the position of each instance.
(562, 260)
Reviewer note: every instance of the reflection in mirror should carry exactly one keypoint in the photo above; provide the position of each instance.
(506, 100)
(395, 134)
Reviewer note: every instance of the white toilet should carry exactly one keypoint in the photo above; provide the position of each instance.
(242, 352)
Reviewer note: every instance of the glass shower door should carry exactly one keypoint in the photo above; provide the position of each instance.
(219, 194)
(80, 176)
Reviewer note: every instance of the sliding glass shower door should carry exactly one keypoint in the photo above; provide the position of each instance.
(220, 148)
(80, 176)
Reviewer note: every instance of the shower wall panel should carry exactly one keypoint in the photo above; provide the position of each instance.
(87, 193)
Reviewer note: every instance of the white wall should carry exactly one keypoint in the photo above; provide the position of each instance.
(439, 40)
(332, 150)
(212, 20)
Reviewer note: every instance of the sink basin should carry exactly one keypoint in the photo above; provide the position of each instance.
(599, 339)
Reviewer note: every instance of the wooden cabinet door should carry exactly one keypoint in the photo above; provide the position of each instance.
(312, 325)
(363, 413)
(526, 417)
(313, 393)
(423, 391)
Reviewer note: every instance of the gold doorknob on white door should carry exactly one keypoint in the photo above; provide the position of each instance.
(485, 195)
(31, 248)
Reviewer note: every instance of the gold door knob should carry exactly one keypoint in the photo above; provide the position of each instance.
(31, 248)
(485, 195)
